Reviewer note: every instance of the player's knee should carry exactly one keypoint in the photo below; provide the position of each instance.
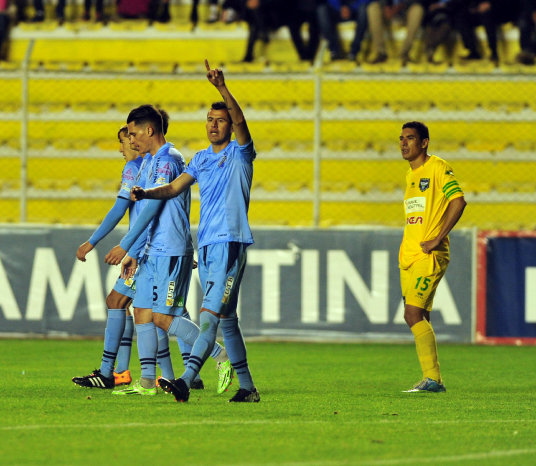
(229, 326)
(116, 300)
(412, 315)
(162, 321)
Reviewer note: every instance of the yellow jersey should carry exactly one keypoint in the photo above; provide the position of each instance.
(429, 189)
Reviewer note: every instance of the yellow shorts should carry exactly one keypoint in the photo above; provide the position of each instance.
(419, 282)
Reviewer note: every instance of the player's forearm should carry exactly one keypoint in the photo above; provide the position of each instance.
(237, 116)
(240, 126)
(113, 217)
(452, 215)
(150, 211)
(170, 190)
(161, 192)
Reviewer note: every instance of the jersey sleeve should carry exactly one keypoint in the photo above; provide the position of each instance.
(113, 217)
(248, 151)
(150, 210)
(450, 185)
(128, 179)
(192, 167)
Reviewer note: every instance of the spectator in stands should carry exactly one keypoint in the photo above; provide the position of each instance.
(527, 32)
(99, 9)
(413, 12)
(377, 30)
(39, 8)
(133, 8)
(39, 11)
(230, 11)
(265, 16)
(439, 29)
(332, 12)
(4, 28)
(489, 13)
(304, 13)
(158, 10)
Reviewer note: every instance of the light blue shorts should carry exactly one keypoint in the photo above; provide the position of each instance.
(221, 267)
(162, 283)
(126, 287)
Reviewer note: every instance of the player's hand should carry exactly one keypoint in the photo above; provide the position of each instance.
(215, 76)
(428, 246)
(115, 256)
(194, 265)
(83, 250)
(137, 193)
(128, 267)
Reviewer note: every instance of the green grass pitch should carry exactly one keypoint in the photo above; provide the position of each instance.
(321, 404)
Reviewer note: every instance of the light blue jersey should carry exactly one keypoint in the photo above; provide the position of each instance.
(131, 173)
(141, 180)
(224, 186)
(169, 232)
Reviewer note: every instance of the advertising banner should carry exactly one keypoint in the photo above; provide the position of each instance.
(506, 306)
(313, 284)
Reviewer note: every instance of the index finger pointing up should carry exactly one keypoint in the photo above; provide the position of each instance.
(207, 65)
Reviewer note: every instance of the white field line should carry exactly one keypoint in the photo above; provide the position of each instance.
(456, 458)
(196, 422)
(485, 455)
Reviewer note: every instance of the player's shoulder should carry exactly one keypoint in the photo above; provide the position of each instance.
(438, 161)
(131, 169)
(170, 155)
(134, 164)
(438, 165)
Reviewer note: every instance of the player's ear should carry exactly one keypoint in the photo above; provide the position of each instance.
(424, 143)
(150, 130)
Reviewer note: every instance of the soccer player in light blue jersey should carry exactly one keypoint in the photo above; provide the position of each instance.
(163, 229)
(224, 173)
(120, 325)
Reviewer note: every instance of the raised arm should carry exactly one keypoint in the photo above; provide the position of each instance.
(240, 126)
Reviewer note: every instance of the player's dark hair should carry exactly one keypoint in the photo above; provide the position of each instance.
(122, 131)
(165, 120)
(147, 114)
(421, 129)
(219, 106)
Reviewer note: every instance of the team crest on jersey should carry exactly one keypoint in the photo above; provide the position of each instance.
(125, 187)
(160, 180)
(424, 184)
(222, 161)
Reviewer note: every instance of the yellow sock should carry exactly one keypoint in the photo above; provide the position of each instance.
(425, 342)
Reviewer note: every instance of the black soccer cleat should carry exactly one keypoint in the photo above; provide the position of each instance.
(246, 396)
(197, 385)
(177, 388)
(95, 380)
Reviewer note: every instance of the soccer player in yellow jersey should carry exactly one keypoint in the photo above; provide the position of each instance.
(433, 203)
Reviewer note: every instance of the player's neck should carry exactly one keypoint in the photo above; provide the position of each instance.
(419, 161)
(219, 147)
(157, 144)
